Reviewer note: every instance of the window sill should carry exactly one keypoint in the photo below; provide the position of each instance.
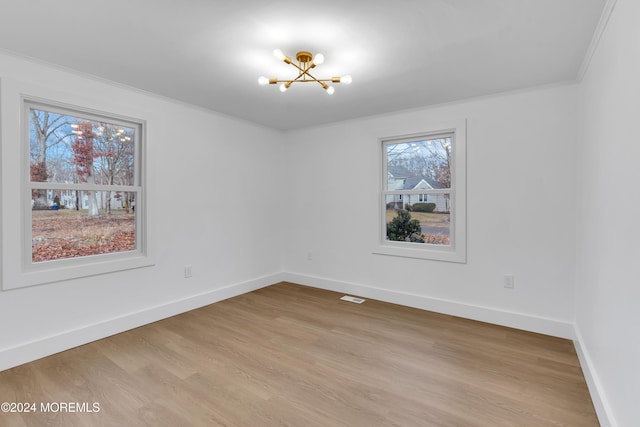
(57, 271)
(430, 252)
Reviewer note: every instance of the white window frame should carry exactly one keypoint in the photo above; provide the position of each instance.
(456, 251)
(27, 273)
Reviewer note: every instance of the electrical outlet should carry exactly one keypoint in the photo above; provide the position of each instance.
(509, 281)
(309, 255)
(187, 271)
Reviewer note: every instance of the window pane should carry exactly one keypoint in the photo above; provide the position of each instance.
(421, 164)
(82, 223)
(410, 220)
(72, 150)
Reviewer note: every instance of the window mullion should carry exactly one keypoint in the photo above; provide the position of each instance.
(425, 191)
(82, 187)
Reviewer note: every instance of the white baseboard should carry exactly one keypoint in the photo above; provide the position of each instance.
(522, 321)
(598, 397)
(47, 346)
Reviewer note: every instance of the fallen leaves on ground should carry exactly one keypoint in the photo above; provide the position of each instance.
(60, 235)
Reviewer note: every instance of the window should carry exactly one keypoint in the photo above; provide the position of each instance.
(423, 195)
(83, 207)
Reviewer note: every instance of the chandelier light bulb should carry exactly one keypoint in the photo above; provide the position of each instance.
(283, 87)
(330, 90)
(278, 54)
(346, 79)
(318, 59)
(263, 81)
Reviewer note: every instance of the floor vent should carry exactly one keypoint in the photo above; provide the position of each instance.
(352, 299)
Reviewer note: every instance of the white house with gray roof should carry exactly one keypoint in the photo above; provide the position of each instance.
(400, 178)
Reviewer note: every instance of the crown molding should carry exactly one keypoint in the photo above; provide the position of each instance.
(595, 40)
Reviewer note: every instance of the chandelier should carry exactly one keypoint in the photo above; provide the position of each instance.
(306, 62)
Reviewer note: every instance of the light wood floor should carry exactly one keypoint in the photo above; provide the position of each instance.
(289, 355)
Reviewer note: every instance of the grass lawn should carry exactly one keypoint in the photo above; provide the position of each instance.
(428, 219)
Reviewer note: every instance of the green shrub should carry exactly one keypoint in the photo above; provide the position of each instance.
(424, 207)
(404, 229)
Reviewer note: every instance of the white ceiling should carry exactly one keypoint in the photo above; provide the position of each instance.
(402, 54)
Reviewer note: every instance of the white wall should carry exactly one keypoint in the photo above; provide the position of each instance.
(521, 209)
(608, 267)
(231, 240)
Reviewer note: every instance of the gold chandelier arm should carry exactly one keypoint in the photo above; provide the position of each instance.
(301, 81)
(302, 74)
(297, 79)
(302, 70)
(322, 82)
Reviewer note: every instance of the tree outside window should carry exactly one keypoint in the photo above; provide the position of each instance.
(83, 182)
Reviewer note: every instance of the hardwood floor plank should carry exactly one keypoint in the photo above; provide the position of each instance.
(289, 355)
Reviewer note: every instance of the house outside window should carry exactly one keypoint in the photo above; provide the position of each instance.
(423, 195)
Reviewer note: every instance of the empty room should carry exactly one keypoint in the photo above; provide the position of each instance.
(270, 213)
